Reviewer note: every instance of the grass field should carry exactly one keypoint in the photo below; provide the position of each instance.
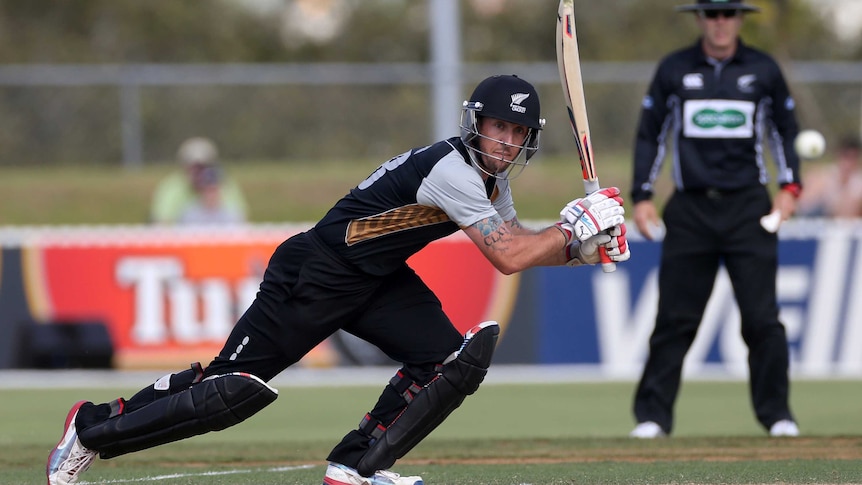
(276, 191)
(572, 433)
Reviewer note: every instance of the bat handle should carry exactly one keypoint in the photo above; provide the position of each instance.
(608, 266)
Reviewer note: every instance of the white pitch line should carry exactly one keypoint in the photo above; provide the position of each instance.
(202, 474)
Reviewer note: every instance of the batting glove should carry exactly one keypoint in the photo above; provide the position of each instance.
(587, 252)
(618, 247)
(594, 213)
(567, 229)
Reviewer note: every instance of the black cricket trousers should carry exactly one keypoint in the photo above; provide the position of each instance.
(705, 229)
(308, 292)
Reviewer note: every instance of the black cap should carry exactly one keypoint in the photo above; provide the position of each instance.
(718, 5)
(508, 98)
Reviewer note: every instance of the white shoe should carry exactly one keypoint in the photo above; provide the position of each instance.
(647, 430)
(337, 474)
(784, 428)
(69, 458)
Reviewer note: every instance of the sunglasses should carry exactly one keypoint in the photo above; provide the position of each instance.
(714, 14)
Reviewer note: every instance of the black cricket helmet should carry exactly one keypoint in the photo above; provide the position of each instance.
(508, 98)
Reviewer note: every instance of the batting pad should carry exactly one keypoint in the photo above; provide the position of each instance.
(212, 405)
(459, 378)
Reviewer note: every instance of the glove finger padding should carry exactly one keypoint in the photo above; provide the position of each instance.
(618, 247)
(594, 213)
(586, 252)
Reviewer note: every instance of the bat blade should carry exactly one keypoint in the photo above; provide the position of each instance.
(569, 65)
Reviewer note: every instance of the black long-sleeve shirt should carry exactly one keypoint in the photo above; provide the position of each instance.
(715, 117)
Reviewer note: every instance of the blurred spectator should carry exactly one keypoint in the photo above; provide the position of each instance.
(208, 206)
(200, 193)
(835, 190)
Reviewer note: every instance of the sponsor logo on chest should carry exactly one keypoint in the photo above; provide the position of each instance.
(718, 118)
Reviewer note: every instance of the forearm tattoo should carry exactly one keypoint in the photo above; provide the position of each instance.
(493, 230)
(515, 224)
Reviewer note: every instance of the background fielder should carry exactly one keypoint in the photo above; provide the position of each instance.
(717, 103)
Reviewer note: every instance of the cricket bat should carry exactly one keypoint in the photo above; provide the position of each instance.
(569, 64)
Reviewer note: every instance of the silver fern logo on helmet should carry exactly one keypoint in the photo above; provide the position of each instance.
(517, 99)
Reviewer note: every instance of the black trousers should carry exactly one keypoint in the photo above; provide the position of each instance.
(308, 293)
(706, 229)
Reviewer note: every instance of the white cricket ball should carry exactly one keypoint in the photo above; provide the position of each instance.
(810, 144)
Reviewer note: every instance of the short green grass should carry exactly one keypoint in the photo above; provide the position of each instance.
(504, 434)
(277, 191)
(283, 191)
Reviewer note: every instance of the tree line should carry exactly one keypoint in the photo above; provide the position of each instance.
(52, 125)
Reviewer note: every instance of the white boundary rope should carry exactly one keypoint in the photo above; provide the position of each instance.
(172, 476)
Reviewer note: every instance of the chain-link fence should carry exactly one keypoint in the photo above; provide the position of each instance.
(139, 113)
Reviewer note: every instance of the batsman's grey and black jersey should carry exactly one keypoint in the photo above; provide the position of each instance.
(350, 271)
(716, 117)
(419, 196)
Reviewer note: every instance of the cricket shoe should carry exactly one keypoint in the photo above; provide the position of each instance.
(337, 474)
(784, 428)
(69, 458)
(647, 430)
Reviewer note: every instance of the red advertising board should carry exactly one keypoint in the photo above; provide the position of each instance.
(170, 297)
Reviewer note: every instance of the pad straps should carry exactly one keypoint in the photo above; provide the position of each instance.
(173, 383)
(405, 386)
(371, 426)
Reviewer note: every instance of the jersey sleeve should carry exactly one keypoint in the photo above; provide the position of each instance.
(651, 134)
(503, 202)
(783, 129)
(456, 188)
